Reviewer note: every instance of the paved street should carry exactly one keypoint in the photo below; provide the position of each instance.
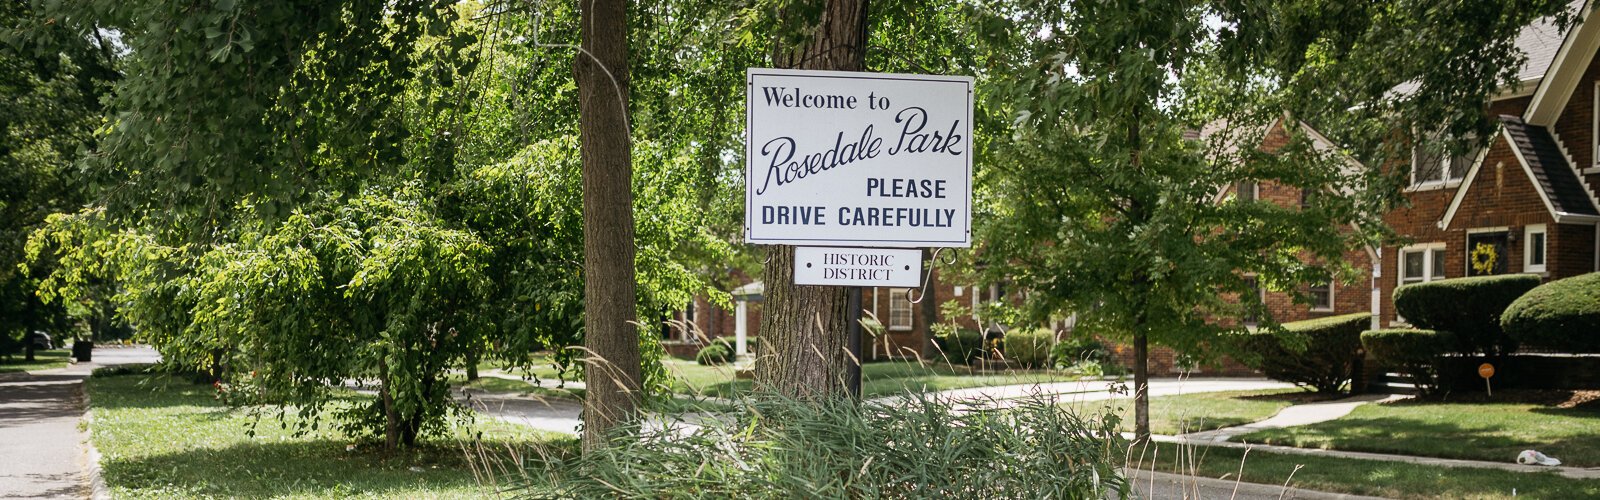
(41, 450)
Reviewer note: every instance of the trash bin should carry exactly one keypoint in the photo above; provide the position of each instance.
(82, 350)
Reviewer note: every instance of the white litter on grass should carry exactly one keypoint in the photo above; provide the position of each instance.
(1532, 457)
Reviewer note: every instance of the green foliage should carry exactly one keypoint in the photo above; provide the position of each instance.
(718, 352)
(1030, 348)
(1470, 308)
(1318, 353)
(961, 346)
(1084, 354)
(1411, 351)
(840, 449)
(53, 75)
(1562, 315)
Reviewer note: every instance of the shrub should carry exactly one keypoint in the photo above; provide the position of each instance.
(1562, 315)
(715, 353)
(1029, 348)
(1318, 353)
(1077, 349)
(836, 448)
(1414, 352)
(1469, 308)
(963, 346)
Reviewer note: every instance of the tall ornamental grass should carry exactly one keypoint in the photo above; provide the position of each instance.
(919, 447)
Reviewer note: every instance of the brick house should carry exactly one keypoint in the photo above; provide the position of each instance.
(1527, 197)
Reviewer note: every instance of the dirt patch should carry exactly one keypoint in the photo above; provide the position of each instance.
(1553, 398)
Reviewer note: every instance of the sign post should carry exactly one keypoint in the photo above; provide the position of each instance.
(878, 162)
(1486, 371)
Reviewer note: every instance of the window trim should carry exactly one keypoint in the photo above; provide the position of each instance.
(911, 313)
(1527, 248)
(1427, 262)
(1255, 190)
(1331, 291)
(1466, 245)
(1594, 135)
(1446, 182)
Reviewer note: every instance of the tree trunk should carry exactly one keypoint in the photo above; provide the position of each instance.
(391, 417)
(1141, 386)
(803, 328)
(930, 308)
(27, 348)
(612, 363)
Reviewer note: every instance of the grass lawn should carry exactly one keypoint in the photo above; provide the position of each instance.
(1361, 477)
(1477, 430)
(166, 438)
(1198, 412)
(877, 379)
(42, 360)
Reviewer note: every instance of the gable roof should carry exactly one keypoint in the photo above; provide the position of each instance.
(1541, 41)
(1555, 179)
(1565, 69)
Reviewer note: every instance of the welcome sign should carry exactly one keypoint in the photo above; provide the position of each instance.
(858, 159)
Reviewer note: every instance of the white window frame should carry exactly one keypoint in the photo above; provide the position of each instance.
(1466, 245)
(1594, 134)
(1444, 182)
(1261, 296)
(1330, 306)
(1527, 248)
(1428, 250)
(1255, 190)
(897, 298)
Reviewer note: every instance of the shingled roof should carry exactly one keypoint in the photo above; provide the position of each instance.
(1549, 167)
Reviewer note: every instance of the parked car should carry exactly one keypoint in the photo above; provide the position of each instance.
(40, 341)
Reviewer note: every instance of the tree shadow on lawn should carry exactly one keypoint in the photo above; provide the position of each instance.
(1294, 397)
(1409, 436)
(323, 468)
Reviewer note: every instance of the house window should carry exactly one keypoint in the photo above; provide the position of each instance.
(1534, 244)
(1254, 285)
(1247, 190)
(1432, 164)
(1422, 263)
(899, 310)
(1321, 297)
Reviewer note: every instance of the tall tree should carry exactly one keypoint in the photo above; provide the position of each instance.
(612, 369)
(804, 352)
(1105, 203)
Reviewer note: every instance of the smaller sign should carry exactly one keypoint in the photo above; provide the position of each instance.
(1486, 370)
(892, 267)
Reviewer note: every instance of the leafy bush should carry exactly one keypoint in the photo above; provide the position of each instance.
(963, 346)
(1318, 353)
(715, 353)
(1467, 307)
(1029, 347)
(1078, 349)
(840, 449)
(1414, 352)
(1562, 315)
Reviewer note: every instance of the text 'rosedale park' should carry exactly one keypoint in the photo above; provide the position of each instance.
(785, 164)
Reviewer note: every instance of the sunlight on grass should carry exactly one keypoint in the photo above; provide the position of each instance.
(1476, 431)
(1361, 477)
(42, 360)
(161, 438)
(1197, 412)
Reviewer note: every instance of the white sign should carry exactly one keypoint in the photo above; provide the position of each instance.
(858, 159)
(897, 267)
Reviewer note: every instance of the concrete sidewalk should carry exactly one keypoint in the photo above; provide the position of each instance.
(1297, 415)
(1150, 484)
(41, 448)
(1564, 471)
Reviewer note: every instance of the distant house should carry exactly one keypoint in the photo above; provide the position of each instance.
(1526, 202)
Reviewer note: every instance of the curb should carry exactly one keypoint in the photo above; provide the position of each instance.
(1194, 485)
(1564, 471)
(97, 482)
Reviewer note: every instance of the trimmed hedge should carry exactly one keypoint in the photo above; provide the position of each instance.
(1414, 352)
(1467, 307)
(1563, 315)
(1029, 348)
(962, 347)
(716, 353)
(1318, 353)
